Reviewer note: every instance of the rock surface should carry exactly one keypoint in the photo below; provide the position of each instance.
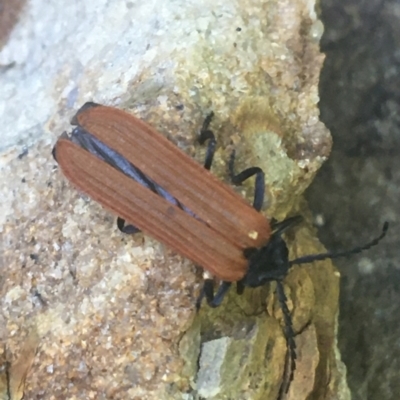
(114, 315)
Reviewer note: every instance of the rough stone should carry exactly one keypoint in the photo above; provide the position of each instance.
(114, 315)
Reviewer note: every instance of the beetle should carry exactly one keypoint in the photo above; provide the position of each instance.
(138, 174)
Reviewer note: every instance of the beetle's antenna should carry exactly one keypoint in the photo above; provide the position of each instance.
(324, 256)
(290, 360)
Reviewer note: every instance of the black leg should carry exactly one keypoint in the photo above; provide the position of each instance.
(239, 287)
(281, 227)
(207, 134)
(290, 362)
(128, 229)
(208, 293)
(237, 179)
(204, 289)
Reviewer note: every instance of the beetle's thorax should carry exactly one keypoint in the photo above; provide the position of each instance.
(267, 263)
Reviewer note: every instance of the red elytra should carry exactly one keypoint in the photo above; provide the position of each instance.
(226, 223)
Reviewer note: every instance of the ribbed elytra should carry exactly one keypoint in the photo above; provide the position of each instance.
(143, 178)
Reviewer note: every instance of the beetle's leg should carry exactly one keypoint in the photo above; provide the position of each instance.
(237, 179)
(240, 287)
(129, 229)
(204, 289)
(207, 134)
(290, 363)
(281, 227)
(208, 292)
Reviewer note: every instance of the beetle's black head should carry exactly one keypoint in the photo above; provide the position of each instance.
(268, 263)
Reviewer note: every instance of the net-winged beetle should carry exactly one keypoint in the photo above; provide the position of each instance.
(138, 174)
